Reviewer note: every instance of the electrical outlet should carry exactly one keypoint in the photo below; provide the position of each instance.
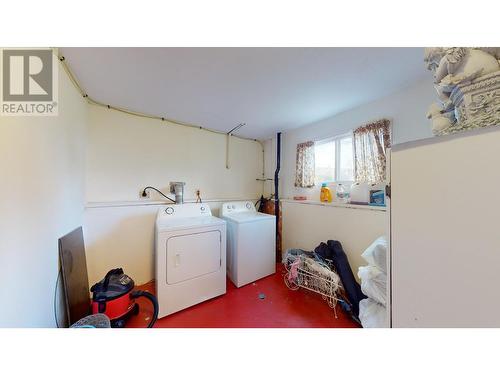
(146, 196)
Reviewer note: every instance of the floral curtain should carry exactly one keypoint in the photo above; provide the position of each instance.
(370, 146)
(304, 166)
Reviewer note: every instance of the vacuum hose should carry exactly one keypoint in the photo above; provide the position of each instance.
(154, 301)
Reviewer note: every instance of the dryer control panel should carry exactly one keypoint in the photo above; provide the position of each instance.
(185, 210)
(241, 206)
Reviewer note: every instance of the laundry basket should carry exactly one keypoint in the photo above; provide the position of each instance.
(304, 271)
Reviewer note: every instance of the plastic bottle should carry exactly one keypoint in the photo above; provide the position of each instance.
(326, 194)
(342, 194)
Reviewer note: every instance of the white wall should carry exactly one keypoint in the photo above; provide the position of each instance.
(125, 154)
(307, 225)
(445, 240)
(41, 198)
(406, 110)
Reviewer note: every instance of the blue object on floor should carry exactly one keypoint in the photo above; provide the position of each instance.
(93, 321)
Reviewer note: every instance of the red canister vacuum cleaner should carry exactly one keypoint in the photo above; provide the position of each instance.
(115, 297)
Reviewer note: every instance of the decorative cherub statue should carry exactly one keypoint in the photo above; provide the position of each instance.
(460, 75)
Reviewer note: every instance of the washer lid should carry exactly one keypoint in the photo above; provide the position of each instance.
(247, 217)
(187, 223)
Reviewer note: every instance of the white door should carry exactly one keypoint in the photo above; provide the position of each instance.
(193, 255)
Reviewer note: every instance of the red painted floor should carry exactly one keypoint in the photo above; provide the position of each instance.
(242, 308)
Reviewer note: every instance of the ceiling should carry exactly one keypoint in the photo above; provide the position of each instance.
(269, 89)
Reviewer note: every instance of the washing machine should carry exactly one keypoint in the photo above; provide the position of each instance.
(251, 242)
(190, 256)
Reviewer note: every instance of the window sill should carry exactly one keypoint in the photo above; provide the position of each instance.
(337, 204)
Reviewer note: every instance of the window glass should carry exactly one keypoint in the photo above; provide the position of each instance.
(324, 160)
(346, 164)
(334, 160)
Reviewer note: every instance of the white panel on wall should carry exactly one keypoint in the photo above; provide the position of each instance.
(445, 236)
(306, 225)
(127, 153)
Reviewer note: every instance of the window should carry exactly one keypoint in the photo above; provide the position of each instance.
(334, 160)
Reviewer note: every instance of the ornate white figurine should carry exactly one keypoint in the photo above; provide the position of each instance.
(467, 81)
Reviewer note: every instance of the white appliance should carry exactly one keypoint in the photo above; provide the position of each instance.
(190, 256)
(251, 242)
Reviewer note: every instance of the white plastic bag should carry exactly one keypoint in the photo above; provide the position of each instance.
(373, 283)
(376, 253)
(372, 314)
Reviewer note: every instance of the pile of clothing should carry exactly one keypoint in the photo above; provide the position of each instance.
(372, 310)
(332, 251)
(332, 255)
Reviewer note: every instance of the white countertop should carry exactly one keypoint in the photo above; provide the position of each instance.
(337, 204)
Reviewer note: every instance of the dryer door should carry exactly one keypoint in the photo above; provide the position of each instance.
(193, 255)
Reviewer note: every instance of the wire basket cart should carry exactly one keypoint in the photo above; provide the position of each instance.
(305, 272)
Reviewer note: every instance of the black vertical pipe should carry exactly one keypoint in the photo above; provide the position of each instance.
(276, 191)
